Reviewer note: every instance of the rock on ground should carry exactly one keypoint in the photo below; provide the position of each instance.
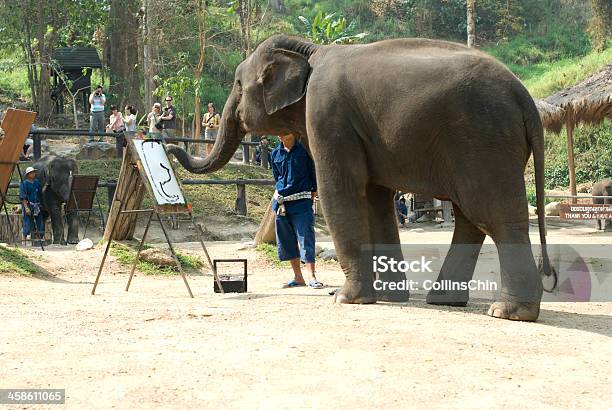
(328, 255)
(552, 209)
(157, 257)
(97, 150)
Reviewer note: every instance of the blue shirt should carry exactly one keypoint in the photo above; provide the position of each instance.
(293, 172)
(31, 191)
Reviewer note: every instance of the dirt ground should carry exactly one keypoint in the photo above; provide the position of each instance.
(290, 348)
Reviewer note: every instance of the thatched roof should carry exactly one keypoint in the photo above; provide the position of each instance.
(589, 101)
(552, 116)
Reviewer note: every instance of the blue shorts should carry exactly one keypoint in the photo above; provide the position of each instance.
(295, 237)
(28, 224)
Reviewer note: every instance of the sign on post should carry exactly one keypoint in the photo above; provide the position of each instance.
(585, 211)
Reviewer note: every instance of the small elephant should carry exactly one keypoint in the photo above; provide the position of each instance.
(416, 115)
(603, 188)
(54, 174)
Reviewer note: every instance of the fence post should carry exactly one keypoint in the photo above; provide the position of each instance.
(119, 145)
(245, 153)
(37, 149)
(111, 186)
(241, 204)
(254, 155)
(264, 156)
(446, 211)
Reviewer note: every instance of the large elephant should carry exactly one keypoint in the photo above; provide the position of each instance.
(54, 174)
(415, 115)
(603, 188)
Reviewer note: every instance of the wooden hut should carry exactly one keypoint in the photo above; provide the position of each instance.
(589, 101)
(74, 64)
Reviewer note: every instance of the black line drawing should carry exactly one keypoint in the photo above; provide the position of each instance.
(153, 176)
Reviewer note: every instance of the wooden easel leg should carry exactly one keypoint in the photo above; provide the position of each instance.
(176, 259)
(108, 245)
(142, 241)
(212, 266)
(8, 221)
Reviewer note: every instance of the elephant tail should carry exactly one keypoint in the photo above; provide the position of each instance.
(535, 136)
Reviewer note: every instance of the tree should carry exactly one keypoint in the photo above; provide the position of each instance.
(471, 30)
(123, 63)
(327, 29)
(600, 26)
(201, 11)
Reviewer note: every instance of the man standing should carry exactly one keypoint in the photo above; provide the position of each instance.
(96, 118)
(30, 194)
(169, 119)
(296, 187)
(211, 123)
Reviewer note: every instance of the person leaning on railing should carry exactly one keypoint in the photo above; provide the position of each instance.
(155, 122)
(211, 122)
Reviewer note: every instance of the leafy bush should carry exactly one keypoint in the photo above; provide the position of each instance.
(15, 261)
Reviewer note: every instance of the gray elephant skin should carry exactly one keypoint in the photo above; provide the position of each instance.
(415, 115)
(603, 188)
(54, 173)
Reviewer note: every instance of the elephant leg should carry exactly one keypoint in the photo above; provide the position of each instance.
(459, 263)
(385, 240)
(521, 286)
(57, 222)
(342, 185)
(72, 218)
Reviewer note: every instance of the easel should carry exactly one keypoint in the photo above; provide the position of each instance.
(133, 159)
(16, 125)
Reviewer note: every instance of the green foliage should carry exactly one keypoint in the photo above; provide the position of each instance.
(327, 29)
(547, 78)
(592, 155)
(271, 255)
(125, 256)
(15, 261)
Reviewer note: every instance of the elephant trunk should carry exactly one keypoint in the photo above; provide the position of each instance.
(227, 142)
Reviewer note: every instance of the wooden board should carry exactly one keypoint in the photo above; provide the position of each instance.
(131, 190)
(142, 169)
(132, 185)
(585, 211)
(16, 125)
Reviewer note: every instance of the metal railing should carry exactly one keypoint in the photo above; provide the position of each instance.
(119, 138)
(240, 204)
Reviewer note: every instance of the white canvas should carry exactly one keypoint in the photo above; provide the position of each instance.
(159, 172)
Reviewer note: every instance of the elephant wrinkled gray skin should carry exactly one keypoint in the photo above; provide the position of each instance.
(414, 115)
(54, 173)
(603, 188)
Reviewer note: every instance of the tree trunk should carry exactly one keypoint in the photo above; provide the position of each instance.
(123, 64)
(471, 29)
(150, 53)
(277, 5)
(46, 41)
(197, 72)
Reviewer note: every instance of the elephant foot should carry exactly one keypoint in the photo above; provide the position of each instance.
(524, 311)
(458, 298)
(73, 241)
(355, 293)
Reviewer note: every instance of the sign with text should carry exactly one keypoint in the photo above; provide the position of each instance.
(585, 211)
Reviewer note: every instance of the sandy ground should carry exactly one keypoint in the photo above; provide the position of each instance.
(289, 348)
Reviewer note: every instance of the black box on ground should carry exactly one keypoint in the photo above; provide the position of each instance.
(231, 283)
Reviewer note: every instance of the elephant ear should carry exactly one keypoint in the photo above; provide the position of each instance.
(284, 79)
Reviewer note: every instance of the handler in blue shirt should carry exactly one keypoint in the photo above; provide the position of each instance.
(30, 194)
(296, 187)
